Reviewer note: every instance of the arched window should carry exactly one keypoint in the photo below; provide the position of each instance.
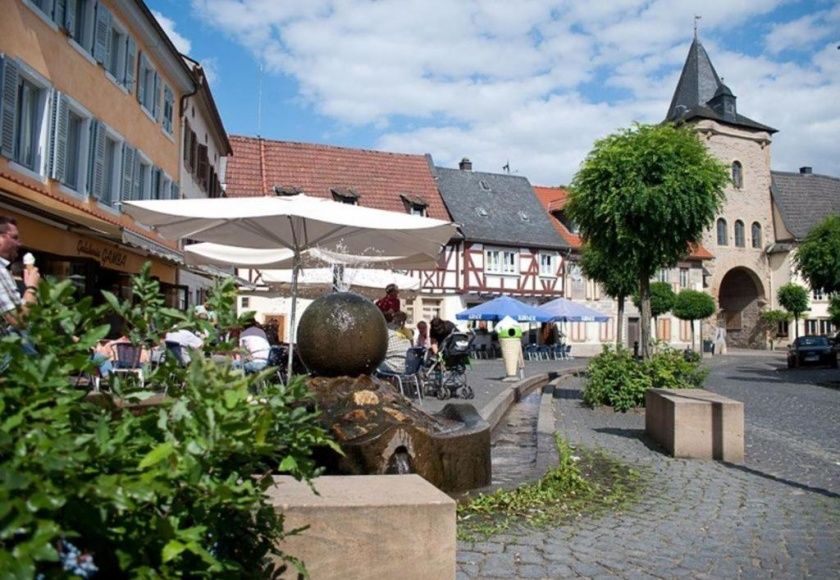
(756, 235)
(737, 175)
(740, 240)
(723, 237)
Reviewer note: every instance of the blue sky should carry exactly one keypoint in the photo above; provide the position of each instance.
(529, 82)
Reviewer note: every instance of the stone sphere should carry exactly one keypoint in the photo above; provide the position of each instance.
(342, 334)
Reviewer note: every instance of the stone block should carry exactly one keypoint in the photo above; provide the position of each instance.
(372, 526)
(696, 424)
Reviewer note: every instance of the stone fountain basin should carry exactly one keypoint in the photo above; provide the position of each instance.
(381, 432)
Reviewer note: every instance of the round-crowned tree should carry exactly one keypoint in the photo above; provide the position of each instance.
(662, 298)
(772, 320)
(618, 282)
(645, 194)
(794, 299)
(818, 257)
(693, 305)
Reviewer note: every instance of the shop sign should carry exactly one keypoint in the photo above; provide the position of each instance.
(106, 256)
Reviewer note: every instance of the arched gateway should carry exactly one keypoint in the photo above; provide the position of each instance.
(740, 299)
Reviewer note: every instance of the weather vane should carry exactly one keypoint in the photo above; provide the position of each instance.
(696, 21)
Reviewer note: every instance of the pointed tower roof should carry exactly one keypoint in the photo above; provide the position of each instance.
(698, 85)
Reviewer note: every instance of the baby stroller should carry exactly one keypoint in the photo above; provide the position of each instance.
(446, 373)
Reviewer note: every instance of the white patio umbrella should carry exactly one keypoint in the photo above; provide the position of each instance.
(296, 223)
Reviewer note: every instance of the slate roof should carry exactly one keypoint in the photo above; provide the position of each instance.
(804, 199)
(380, 179)
(698, 84)
(497, 208)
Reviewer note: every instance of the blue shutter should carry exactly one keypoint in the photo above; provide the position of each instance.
(8, 106)
(130, 64)
(137, 189)
(60, 119)
(168, 108)
(141, 79)
(59, 10)
(127, 185)
(102, 34)
(70, 16)
(97, 188)
(156, 96)
(175, 191)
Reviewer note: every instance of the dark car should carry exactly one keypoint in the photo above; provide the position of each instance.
(816, 350)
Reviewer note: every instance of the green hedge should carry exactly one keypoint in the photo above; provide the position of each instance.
(616, 379)
(175, 491)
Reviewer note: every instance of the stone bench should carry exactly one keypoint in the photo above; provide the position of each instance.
(368, 526)
(696, 424)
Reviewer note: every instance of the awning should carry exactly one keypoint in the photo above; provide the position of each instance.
(152, 247)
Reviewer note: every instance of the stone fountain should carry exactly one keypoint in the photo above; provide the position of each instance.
(341, 339)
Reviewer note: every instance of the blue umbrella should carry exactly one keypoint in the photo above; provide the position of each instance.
(502, 306)
(563, 310)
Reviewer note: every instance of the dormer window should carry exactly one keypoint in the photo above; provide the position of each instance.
(484, 185)
(345, 195)
(524, 216)
(737, 175)
(481, 212)
(286, 190)
(415, 205)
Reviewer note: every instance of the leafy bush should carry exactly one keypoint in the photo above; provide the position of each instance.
(616, 379)
(178, 490)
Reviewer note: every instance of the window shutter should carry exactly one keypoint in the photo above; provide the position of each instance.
(141, 79)
(175, 191)
(193, 152)
(70, 15)
(168, 110)
(58, 12)
(167, 188)
(156, 95)
(137, 189)
(127, 172)
(130, 63)
(101, 34)
(60, 118)
(98, 188)
(186, 153)
(8, 106)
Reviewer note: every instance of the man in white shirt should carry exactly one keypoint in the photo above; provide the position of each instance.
(255, 342)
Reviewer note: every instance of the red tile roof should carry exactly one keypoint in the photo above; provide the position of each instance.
(379, 178)
(555, 198)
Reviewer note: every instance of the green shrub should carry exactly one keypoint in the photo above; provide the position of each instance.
(176, 491)
(616, 379)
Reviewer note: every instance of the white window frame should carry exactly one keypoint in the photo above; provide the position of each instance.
(117, 76)
(147, 103)
(170, 120)
(501, 261)
(144, 165)
(41, 142)
(83, 152)
(685, 278)
(548, 264)
(84, 44)
(45, 14)
(115, 170)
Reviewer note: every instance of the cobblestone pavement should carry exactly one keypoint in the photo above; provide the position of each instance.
(776, 516)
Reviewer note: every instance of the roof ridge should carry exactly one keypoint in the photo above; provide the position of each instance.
(795, 173)
(455, 169)
(325, 146)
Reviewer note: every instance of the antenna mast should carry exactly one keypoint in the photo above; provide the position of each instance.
(259, 101)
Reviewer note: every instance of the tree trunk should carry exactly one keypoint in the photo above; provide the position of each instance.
(644, 316)
(692, 335)
(700, 326)
(619, 325)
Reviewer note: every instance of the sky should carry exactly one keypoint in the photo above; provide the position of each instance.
(530, 84)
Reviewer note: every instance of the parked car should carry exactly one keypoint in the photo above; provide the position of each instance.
(816, 350)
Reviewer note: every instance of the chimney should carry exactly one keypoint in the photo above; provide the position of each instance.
(465, 165)
(806, 170)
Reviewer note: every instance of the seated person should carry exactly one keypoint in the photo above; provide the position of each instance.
(398, 324)
(254, 342)
(186, 340)
(438, 330)
(398, 345)
(423, 335)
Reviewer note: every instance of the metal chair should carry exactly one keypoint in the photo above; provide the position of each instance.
(127, 360)
(414, 358)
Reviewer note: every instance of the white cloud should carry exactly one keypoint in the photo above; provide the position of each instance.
(496, 80)
(181, 43)
(211, 71)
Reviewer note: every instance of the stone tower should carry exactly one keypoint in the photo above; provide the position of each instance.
(739, 276)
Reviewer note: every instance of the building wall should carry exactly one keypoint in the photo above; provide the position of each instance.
(199, 121)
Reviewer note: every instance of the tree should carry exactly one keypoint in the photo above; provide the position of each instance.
(818, 257)
(617, 282)
(771, 319)
(645, 194)
(834, 310)
(693, 305)
(661, 300)
(794, 299)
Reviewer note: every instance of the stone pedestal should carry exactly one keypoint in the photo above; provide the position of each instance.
(374, 526)
(695, 423)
